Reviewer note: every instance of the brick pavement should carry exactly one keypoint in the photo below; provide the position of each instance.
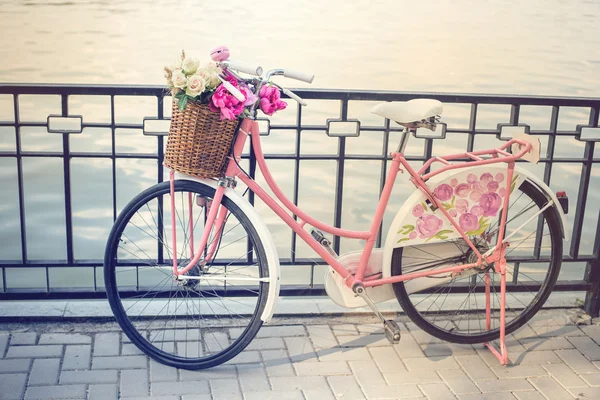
(305, 358)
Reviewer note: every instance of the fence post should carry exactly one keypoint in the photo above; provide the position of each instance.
(592, 276)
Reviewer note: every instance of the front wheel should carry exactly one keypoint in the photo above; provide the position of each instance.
(455, 310)
(213, 314)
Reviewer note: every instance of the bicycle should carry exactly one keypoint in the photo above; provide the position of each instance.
(446, 257)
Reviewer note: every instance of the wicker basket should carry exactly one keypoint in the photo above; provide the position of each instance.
(199, 142)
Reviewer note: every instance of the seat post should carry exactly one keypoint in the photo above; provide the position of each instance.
(403, 140)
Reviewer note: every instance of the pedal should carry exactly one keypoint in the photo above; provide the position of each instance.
(323, 241)
(392, 331)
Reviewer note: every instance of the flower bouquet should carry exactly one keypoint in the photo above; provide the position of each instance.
(206, 114)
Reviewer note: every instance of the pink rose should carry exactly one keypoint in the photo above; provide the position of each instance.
(475, 195)
(454, 182)
(443, 192)
(472, 178)
(270, 101)
(486, 177)
(468, 222)
(492, 186)
(502, 192)
(462, 206)
(223, 101)
(477, 186)
(490, 203)
(428, 225)
(499, 177)
(462, 190)
(418, 210)
(412, 235)
(477, 210)
(453, 213)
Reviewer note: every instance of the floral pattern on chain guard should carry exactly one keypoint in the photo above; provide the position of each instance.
(473, 198)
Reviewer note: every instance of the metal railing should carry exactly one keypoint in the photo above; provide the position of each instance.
(484, 117)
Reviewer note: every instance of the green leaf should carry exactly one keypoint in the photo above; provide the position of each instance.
(453, 200)
(444, 231)
(183, 100)
(410, 227)
(402, 240)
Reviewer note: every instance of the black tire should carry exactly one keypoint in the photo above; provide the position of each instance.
(449, 323)
(219, 319)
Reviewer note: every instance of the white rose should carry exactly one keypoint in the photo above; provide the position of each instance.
(179, 80)
(196, 85)
(211, 78)
(190, 65)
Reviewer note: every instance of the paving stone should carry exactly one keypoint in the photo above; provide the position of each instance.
(16, 365)
(130, 349)
(564, 375)
(591, 379)
(195, 397)
(343, 354)
(64, 338)
(587, 347)
(386, 359)
(298, 382)
(392, 392)
(576, 361)
(411, 377)
(300, 349)
(554, 343)
(180, 388)
(105, 391)
(556, 331)
(475, 367)
(344, 330)
(529, 396)
(266, 344)
(123, 362)
(587, 393)
(420, 336)
(107, 344)
(447, 349)
(23, 338)
(322, 336)
(520, 371)
(106, 376)
(134, 382)
(253, 378)
(77, 357)
(435, 391)
(13, 386)
(593, 331)
(322, 368)
(550, 388)
(281, 331)
(318, 394)
(55, 392)
(345, 387)
(34, 351)
(524, 332)
(3, 343)
(366, 373)
(373, 340)
(503, 385)
(44, 371)
(430, 363)
(160, 397)
(458, 381)
(408, 347)
(225, 389)
(223, 371)
(162, 373)
(246, 357)
(277, 363)
(275, 395)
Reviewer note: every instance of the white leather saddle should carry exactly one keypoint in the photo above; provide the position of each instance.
(409, 113)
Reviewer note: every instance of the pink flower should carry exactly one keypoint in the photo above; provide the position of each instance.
(454, 182)
(475, 195)
(477, 186)
(270, 101)
(502, 192)
(486, 177)
(225, 102)
(462, 190)
(428, 225)
(492, 186)
(472, 178)
(490, 202)
(462, 206)
(251, 98)
(499, 177)
(412, 235)
(468, 222)
(453, 213)
(418, 210)
(477, 210)
(443, 192)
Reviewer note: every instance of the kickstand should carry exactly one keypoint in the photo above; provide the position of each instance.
(500, 353)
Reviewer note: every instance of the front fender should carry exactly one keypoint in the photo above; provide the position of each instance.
(265, 237)
(408, 228)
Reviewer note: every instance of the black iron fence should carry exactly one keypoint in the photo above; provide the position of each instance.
(39, 123)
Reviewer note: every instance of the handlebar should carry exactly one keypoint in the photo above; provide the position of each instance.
(300, 76)
(245, 68)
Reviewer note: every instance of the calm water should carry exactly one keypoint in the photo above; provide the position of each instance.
(497, 46)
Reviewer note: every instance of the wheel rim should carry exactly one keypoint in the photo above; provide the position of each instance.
(205, 320)
(455, 310)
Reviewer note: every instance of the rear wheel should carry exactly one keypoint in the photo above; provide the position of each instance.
(455, 310)
(198, 322)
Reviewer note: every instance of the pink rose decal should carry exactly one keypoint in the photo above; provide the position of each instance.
(490, 203)
(270, 101)
(454, 182)
(499, 177)
(412, 235)
(443, 192)
(462, 206)
(418, 210)
(477, 210)
(472, 178)
(486, 177)
(502, 192)
(428, 225)
(453, 213)
(468, 222)
(475, 195)
(462, 190)
(477, 186)
(492, 186)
